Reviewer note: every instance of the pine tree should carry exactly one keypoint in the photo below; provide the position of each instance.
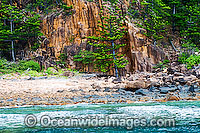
(151, 15)
(17, 25)
(107, 44)
(85, 57)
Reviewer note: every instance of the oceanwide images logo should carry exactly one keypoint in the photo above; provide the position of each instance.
(96, 121)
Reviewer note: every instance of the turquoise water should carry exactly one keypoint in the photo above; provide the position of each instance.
(186, 114)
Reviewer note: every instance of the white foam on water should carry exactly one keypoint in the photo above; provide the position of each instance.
(185, 114)
(12, 120)
(161, 111)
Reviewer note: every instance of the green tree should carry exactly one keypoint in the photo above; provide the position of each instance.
(85, 57)
(151, 15)
(107, 44)
(17, 25)
(172, 19)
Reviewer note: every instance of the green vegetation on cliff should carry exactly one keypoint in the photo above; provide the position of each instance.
(107, 44)
(171, 19)
(20, 24)
(20, 29)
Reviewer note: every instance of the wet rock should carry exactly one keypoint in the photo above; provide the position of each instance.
(9, 100)
(172, 86)
(31, 78)
(152, 88)
(143, 92)
(36, 99)
(116, 87)
(177, 78)
(38, 78)
(19, 99)
(165, 90)
(60, 91)
(106, 89)
(191, 89)
(179, 87)
(121, 90)
(191, 98)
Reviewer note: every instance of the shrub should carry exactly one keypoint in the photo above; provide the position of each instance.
(166, 61)
(7, 67)
(62, 58)
(182, 58)
(193, 60)
(51, 71)
(33, 73)
(24, 65)
(162, 65)
(189, 60)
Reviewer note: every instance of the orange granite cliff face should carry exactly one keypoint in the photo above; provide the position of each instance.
(67, 33)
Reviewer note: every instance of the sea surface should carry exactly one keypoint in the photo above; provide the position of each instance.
(185, 113)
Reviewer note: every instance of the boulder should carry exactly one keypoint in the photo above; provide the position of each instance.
(170, 71)
(198, 81)
(180, 79)
(191, 89)
(68, 74)
(51, 71)
(177, 78)
(117, 80)
(183, 68)
(167, 79)
(172, 98)
(135, 85)
(185, 88)
(165, 90)
(190, 78)
(178, 74)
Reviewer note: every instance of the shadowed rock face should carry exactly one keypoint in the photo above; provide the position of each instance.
(67, 33)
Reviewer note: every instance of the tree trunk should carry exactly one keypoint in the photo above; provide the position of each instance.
(12, 43)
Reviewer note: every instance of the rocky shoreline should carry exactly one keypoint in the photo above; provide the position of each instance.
(163, 86)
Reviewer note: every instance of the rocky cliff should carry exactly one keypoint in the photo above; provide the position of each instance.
(66, 32)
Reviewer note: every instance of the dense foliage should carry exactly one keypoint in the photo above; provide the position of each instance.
(169, 19)
(85, 57)
(12, 67)
(20, 24)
